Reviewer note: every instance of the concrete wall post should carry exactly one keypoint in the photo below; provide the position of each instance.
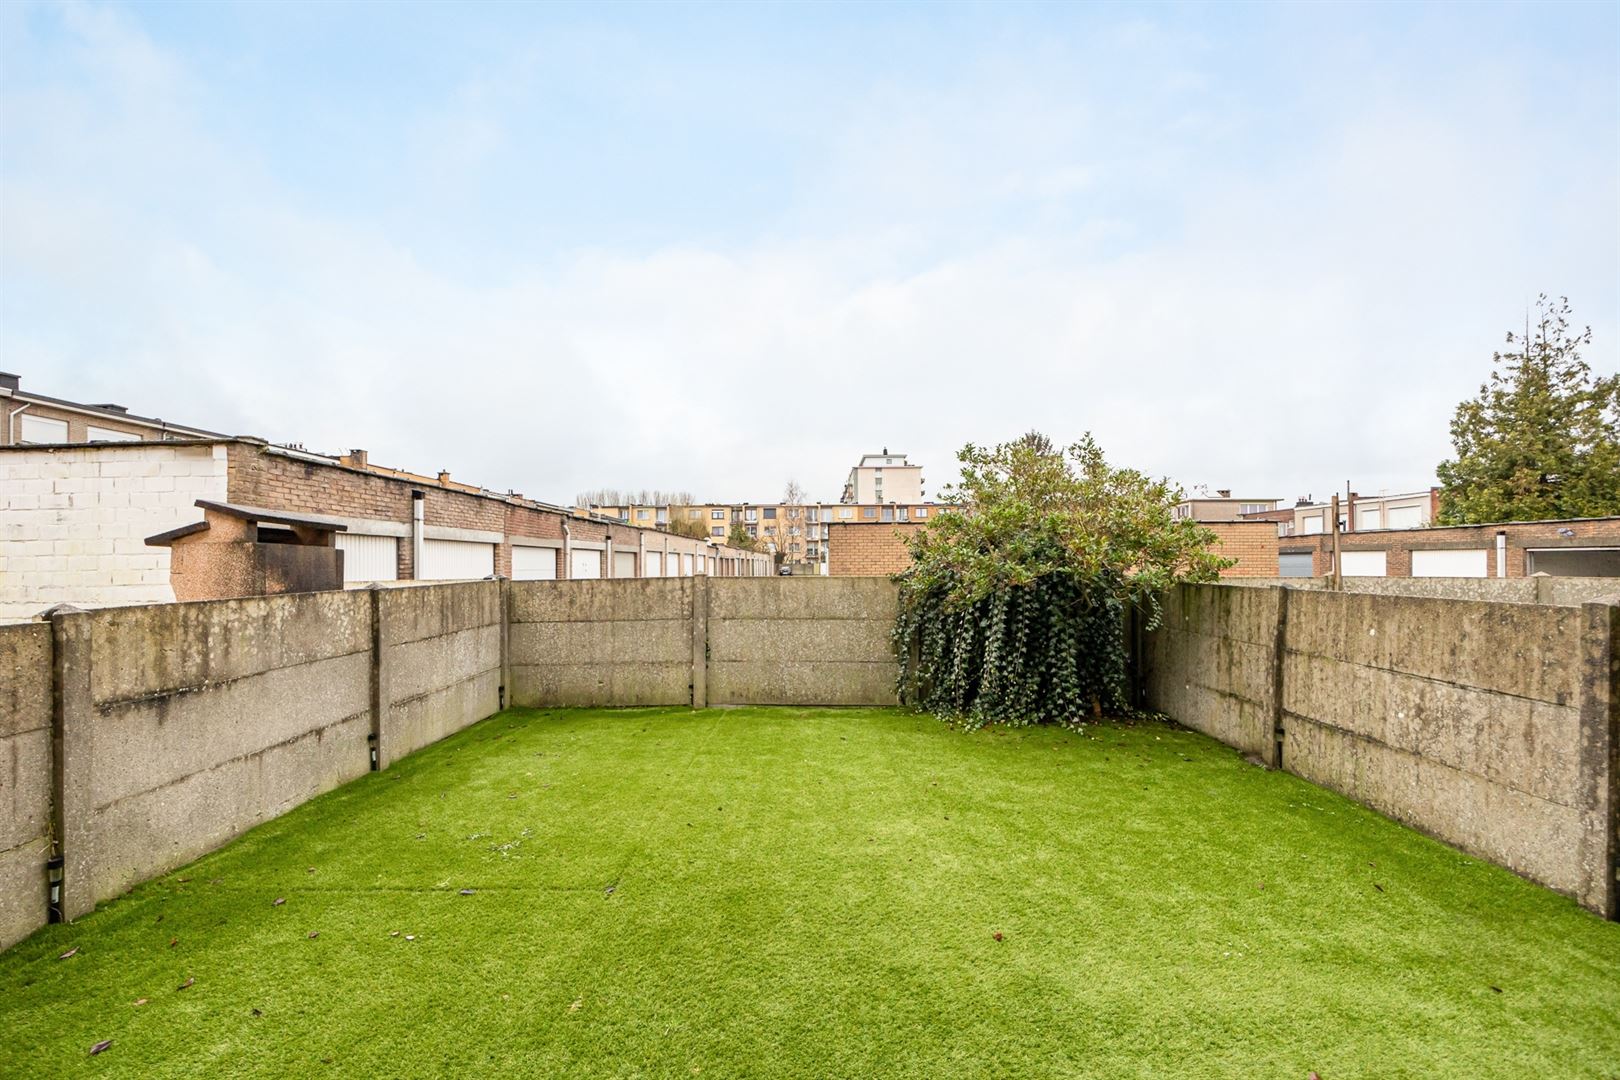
(73, 812)
(505, 691)
(700, 642)
(1599, 761)
(1279, 650)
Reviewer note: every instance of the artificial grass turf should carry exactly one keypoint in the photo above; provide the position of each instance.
(789, 892)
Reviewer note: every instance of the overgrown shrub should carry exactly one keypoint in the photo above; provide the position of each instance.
(1013, 608)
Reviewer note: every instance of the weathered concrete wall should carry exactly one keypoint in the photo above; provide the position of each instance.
(25, 778)
(439, 650)
(1212, 664)
(186, 724)
(1565, 591)
(1488, 725)
(609, 642)
(801, 641)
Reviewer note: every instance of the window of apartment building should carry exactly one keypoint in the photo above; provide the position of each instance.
(693, 515)
(793, 530)
(869, 512)
(750, 515)
(641, 515)
(1405, 517)
(770, 530)
(905, 513)
(718, 530)
(717, 515)
(846, 512)
(102, 434)
(1254, 508)
(770, 513)
(888, 513)
(42, 429)
(753, 530)
(922, 511)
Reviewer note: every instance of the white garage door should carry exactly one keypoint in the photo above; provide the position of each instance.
(1296, 564)
(369, 558)
(655, 563)
(1449, 563)
(624, 564)
(456, 560)
(584, 563)
(1361, 563)
(534, 564)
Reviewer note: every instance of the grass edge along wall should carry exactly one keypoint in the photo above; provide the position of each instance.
(179, 726)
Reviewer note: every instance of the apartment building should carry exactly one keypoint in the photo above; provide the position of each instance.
(34, 419)
(1221, 506)
(884, 478)
(1364, 513)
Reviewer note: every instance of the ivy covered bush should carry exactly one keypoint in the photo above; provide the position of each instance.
(1013, 608)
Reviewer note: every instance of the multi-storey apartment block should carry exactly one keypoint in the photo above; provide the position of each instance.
(884, 478)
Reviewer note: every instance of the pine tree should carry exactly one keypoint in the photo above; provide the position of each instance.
(1542, 438)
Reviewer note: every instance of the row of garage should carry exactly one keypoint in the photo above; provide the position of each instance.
(1462, 562)
(368, 558)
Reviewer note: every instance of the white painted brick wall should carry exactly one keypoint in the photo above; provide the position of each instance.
(73, 523)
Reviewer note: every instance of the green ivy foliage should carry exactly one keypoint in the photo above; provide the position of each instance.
(1013, 608)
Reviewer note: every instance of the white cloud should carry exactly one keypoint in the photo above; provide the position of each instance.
(1282, 331)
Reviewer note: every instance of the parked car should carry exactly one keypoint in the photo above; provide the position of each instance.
(786, 570)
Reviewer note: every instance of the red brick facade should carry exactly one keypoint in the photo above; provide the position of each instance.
(1399, 544)
(258, 475)
(856, 549)
(1252, 543)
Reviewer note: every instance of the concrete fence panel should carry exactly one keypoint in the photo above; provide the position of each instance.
(1490, 725)
(801, 641)
(25, 778)
(183, 725)
(608, 642)
(1212, 664)
(438, 662)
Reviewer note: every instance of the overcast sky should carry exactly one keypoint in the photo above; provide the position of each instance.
(709, 248)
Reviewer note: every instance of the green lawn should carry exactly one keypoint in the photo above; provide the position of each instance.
(818, 893)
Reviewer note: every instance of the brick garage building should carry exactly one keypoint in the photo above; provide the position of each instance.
(1581, 547)
(865, 549)
(75, 519)
(1253, 544)
(870, 548)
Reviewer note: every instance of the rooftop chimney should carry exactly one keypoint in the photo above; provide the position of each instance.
(8, 381)
(357, 458)
(1225, 493)
(444, 476)
(110, 407)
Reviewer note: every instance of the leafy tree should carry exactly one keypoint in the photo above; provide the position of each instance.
(1012, 610)
(738, 538)
(681, 523)
(1542, 438)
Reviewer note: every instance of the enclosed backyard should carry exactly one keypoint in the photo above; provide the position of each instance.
(822, 892)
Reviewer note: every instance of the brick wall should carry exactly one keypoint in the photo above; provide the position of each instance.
(74, 521)
(1398, 544)
(1252, 543)
(857, 549)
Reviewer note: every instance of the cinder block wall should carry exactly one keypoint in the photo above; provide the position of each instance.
(1488, 725)
(25, 777)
